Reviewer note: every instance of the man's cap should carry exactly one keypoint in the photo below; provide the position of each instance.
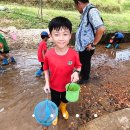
(44, 33)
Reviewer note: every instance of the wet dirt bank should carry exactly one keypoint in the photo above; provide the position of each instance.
(107, 91)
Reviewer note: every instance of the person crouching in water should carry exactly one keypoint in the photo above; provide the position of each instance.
(116, 39)
(42, 48)
(4, 52)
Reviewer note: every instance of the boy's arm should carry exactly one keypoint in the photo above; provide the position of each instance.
(3, 31)
(113, 37)
(47, 84)
(77, 69)
(43, 53)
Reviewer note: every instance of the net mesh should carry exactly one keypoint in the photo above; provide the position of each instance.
(45, 112)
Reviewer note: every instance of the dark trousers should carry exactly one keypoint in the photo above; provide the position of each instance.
(117, 40)
(42, 63)
(57, 97)
(85, 59)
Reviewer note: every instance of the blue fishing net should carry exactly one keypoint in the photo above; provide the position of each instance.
(45, 112)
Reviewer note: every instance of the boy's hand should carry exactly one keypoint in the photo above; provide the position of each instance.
(46, 89)
(75, 77)
(111, 40)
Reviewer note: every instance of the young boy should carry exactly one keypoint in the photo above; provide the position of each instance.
(42, 48)
(61, 64)
(4, 51)
(116, 39)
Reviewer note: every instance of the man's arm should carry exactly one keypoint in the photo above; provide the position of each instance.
(97, 38)
(98, 35)
(98, 25)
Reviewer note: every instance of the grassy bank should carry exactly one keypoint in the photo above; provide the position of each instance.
(27, 17)
(104, 5)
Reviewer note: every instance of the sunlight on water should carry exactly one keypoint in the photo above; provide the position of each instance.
(123, 55)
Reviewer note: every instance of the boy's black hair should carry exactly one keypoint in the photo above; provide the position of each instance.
(60, 22)
(83, 1)
(42, 36)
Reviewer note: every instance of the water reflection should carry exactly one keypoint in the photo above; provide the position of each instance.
(110, 56)
(123, 55)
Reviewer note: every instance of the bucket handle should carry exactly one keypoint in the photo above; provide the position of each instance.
(70, 84)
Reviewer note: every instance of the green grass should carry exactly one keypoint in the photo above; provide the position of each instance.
(27, 17)
(117, 22)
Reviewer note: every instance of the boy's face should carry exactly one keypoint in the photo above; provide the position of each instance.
(61, 37)
(46, 38)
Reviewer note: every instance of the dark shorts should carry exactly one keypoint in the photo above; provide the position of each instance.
(4, 52)
(57, 97)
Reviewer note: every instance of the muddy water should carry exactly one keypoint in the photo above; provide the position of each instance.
(20, 90)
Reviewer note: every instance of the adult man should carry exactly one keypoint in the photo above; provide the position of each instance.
(88, 35)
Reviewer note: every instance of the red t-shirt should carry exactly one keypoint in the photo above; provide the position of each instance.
(42, 47)
(61, 67)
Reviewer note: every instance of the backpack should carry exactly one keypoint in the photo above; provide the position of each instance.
(89, 20)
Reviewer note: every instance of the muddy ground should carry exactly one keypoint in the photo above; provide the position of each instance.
(107, 91)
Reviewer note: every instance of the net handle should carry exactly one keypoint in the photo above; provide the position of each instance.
(47, 94)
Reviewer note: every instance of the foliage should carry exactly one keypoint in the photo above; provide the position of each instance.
(126, 5)
(103, 5)
(27, 17)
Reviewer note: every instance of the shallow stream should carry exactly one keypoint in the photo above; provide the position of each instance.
(20, 90)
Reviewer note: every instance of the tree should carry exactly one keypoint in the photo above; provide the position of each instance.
(40, 12)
